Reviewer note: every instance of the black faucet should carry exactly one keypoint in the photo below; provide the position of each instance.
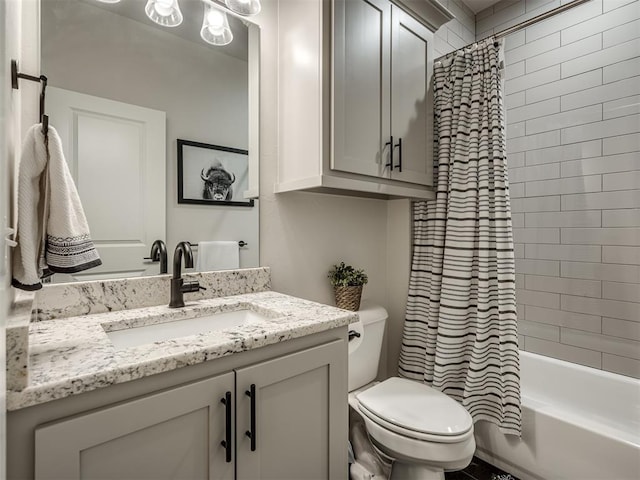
(178, 285)
(159, 253)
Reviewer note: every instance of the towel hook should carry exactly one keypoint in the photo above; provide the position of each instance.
(42, 79)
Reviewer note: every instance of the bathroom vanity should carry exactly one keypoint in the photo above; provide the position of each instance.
(260, 396)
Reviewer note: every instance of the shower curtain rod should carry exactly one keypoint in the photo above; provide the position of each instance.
(525, 24)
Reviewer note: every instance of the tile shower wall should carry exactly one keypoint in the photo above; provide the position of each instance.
(573, 141)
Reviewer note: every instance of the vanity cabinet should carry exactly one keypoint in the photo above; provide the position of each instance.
(283, 417)
(355, 97)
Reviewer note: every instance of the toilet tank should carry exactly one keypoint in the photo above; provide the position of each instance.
(364, 351)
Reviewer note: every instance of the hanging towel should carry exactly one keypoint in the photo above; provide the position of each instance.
(217, 256)
(52, 232)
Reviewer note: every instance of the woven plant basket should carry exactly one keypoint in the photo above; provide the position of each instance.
(348, 298)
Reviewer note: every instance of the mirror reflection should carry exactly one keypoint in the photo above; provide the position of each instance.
(123, 92)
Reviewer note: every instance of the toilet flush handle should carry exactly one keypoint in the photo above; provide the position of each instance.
(353, 334)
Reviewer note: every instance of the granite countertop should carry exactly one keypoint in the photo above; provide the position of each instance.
(68, 356)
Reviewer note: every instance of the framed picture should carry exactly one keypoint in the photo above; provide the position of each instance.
(212, 175)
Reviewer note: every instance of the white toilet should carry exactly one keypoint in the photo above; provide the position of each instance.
(422, 430)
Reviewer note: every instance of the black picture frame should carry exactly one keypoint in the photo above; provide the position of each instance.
(196, 158)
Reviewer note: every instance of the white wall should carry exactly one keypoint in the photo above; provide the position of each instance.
(573, 143)
(204, 94)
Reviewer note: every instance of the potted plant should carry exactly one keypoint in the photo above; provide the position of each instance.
(347, 285)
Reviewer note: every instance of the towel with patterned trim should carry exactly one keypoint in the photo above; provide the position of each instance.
(52, 231)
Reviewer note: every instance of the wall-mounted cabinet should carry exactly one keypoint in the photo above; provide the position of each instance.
(355, 104)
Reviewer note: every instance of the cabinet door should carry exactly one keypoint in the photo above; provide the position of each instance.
(361, 86)
(300, 416)
(411, 99)
(175, 434)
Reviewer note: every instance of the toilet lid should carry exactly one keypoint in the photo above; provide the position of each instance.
(415, 406)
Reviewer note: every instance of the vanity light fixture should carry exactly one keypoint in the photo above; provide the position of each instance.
(164, 12)
(215, 27)
(244, 7)
(109, 1)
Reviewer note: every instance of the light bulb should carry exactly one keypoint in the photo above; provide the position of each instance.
(244, 7)
(215, 27)
(164, 12)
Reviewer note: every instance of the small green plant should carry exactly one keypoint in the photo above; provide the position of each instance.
(346, 276)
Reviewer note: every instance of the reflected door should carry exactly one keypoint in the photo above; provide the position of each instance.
(116, 154)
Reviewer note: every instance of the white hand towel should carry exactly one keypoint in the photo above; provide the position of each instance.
(217, 256)
(52, 230)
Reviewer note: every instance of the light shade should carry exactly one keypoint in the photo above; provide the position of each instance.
(244, 7)
(215, 27)
(164, 12)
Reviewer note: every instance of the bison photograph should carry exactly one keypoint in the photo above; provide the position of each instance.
(212, 174)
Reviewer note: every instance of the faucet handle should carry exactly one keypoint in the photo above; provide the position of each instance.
(191, 286)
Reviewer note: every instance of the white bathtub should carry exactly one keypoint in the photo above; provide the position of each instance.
(578, 423)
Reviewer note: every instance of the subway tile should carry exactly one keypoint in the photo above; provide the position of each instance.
(599, 24)
(606, 128)
(568, 353)
(538, 299)
(621, 181)
(601, 343)
(601, 58)
(536, 172)
(515, 129)
(517, 220)
(532, 142)
(539, 330)
(625, 292)
(542, 204)
(513, 71)
(622, 33)
(603, 200)
(599, 271)
(521, 345)
(534, 110)
(621, 70)
(536, 4)
(621, 365)
(569, 286)
(514, 100)
(513, 40)
(592, 148)
(571, 118)
(621, 328)
(613, 4)
(600, 93)
(524, 82)
(621, 144)
(574, 253)
(518, 250)
(534, 49)
(569, 185)
(516, 190)
(562, 21)
(515, 160)
(538, 267)
(622, 106)
(500, 16)
(596, 165)
(580, 218)
(580, 321)
(628, 217)
(564, 86)
(603, 307)
(567, 54)
(624, 255)
(454, 40)
(601, 236)
(520, 284)
(536, 235)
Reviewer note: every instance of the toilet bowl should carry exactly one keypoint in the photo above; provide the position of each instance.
(423, 431)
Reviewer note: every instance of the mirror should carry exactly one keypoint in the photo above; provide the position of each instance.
(122, 92)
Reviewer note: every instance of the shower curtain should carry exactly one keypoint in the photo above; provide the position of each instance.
(460, 328)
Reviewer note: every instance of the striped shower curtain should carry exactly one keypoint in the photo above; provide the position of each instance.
(460, 328)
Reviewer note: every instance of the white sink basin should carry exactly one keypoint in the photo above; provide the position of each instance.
(132, 337)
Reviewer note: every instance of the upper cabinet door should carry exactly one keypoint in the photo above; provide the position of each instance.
(361, 86)
(411, 99)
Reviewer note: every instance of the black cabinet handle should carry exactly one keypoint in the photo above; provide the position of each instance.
(226, 443)
(399, 145)
(390, 145)
(252, 432)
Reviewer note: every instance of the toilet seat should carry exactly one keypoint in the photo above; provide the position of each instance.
(415, 410)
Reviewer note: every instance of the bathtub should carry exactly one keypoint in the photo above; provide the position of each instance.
(578, 423)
